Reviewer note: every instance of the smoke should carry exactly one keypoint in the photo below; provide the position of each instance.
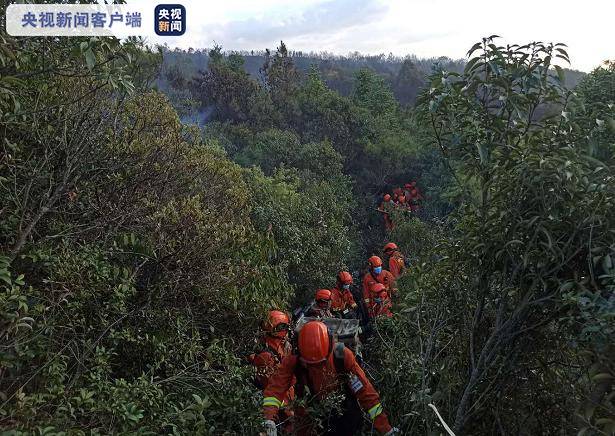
(200, 117)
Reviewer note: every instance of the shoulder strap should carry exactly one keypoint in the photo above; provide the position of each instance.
(339, 358)
(303, 380)
(273, 352)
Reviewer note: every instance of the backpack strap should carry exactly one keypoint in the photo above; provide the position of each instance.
(303, 380)
(350, 382)
(273, 352)
(339, 358)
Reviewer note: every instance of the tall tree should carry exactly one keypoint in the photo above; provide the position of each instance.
(408, 82)
(282, 80)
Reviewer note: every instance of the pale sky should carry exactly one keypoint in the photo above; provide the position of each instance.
(425, 28)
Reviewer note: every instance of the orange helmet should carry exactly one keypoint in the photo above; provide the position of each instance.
(390, 247)
(323, 296)
(277, 323)
(344, 278)
(377, 288)
(314, 342)
(387, 197)
(374, 261)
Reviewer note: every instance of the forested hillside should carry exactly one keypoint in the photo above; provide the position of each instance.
(404, 76)
(139, 254)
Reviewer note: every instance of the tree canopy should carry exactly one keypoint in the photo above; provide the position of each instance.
(139, 252)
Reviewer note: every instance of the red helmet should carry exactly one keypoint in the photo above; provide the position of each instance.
(314, 342)
(344, 278)
(387, 197)
(277, 323)
(374, 261)
(323, 296)
(377, 288)
(390, 247)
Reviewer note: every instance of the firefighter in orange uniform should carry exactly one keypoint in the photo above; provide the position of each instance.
(275, 347)
(322, 367)
(397, 263)
(342, 300)
(377, 274)
(379, 303)
(321, 307)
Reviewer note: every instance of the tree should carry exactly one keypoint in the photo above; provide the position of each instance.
(227, 87)
(532, 198)
(373, 94)
(128, 282)
(50, 141)
(282, 80)
(597, 92)
(408, 83)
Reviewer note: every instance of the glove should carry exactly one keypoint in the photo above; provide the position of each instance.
(393, 431)
(270, 428)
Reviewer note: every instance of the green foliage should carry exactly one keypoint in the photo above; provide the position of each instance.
(324, 114)
(281, 80)
(138, 255)
(308, 221)
(272, 149)
(408, 83)
(373, 94)
(519, 261)
(129, 284)
(235, 96)
(597, 92)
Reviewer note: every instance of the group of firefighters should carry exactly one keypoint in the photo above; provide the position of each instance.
(313, 364)
(406, 198)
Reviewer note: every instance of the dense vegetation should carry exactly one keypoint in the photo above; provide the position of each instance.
(404, 76)
(138, 253)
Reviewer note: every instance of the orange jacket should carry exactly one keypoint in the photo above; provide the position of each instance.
(381, 307)
(342, 299)
(396, 264)
(268, 360)
(385, 277)
(322, 379)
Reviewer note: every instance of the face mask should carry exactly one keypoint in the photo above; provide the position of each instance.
(378, 269)
(345, 286)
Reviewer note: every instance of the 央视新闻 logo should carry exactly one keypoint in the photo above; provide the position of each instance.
(170, 20)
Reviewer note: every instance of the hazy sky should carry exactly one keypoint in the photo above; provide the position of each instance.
(425, 28)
